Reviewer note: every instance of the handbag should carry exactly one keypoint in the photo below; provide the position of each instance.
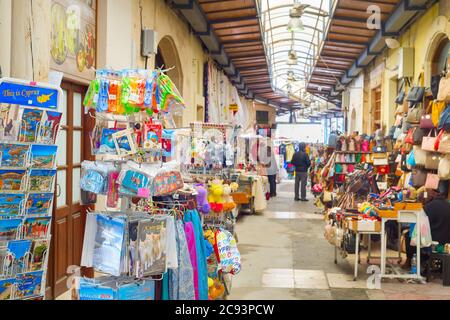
(438, 140)
(418, 178)
(425, 119)
(428, 142)
(420, 156)
(444, 143)
(435, 82)
(410, 160)
(410, 136)
(401, 93)
(402, 108)
(380, 162)
(432, 181)
(416, 94)
(444, 120)
(406, 126)
(432, 161)
(397, 133)
(383, 169)
(444, 168)
(365, 146)
(344, 144)
(414, 115)
(351, 145)
(444, 89)
(436, 110)
(418, 136)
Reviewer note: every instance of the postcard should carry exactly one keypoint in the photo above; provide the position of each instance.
(42, 180)
(28, 284)
(31, 119)
(6, 286)
(43, 156)
(39, 250)
(9, 127)
(39, 203)
(19, 250)
(13, 155)
(49, 127)
(11, 180)
(36, 228)
(9, 228)
(11, 204)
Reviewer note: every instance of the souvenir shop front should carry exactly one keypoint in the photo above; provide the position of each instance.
(393, 189)
(163, 200)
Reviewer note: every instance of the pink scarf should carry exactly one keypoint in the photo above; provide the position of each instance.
(190, 238)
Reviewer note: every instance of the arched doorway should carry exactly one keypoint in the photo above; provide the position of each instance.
(167, 58)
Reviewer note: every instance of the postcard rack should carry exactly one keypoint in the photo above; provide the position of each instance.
(29, 124)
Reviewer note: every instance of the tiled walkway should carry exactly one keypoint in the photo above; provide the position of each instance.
(285, 256)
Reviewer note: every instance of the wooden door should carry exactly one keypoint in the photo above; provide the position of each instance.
(69, 215)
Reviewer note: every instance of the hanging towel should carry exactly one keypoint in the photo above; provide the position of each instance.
(181, 282)
(194, 217)
(190, 239)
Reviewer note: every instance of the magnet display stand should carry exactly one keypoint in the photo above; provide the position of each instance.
(30, 119)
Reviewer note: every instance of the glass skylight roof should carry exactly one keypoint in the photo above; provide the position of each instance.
(279, 41)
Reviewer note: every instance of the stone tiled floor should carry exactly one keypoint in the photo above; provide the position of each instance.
(285, 256)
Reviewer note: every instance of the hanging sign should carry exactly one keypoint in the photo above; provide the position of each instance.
(28, 95)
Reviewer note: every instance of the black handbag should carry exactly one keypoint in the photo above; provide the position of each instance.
(401, 93)
(416, 94)
(349, 243)
(418, 136)
(435, 85)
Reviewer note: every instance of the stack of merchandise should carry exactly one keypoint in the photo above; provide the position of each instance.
(151, 242)
(422, 136)
(29, 128)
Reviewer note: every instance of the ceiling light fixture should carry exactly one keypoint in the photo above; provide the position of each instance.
(392, 43)
(295, 23)
(292, 58)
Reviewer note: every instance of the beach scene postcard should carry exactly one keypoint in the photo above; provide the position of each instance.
(11, 204)
(8, 229)
(43, 156)
(39, 203)
(42, 180)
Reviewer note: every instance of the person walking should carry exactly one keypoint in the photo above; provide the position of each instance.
(272, 169)
(302, 163)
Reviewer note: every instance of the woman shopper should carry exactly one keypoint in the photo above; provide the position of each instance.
(302, 163)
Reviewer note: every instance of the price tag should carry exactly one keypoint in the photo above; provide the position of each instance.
(143, 193)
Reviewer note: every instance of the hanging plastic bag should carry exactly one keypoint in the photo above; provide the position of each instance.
(425, 232)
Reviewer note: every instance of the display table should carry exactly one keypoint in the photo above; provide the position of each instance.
(251, 192)
(403, 216)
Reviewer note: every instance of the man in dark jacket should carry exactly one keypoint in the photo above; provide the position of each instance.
(302, 163)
